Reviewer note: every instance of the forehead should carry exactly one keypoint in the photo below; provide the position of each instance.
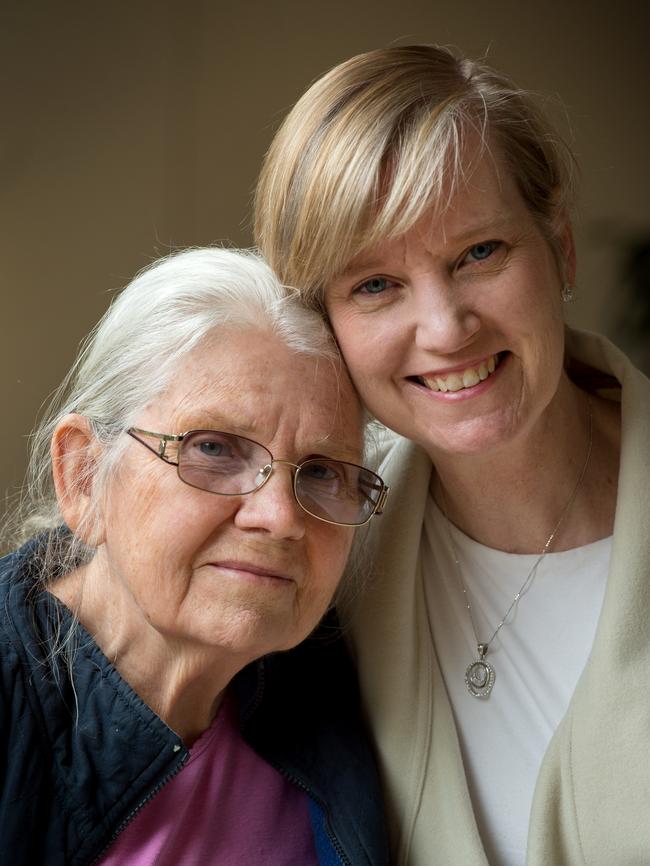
(249, 382)
(482, 200)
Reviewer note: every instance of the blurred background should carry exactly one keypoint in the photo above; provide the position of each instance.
(134, 128)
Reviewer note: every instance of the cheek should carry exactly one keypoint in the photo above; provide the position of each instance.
(541, 315)
(371, 349)
(129, 518)
(353, 335)
(156, 529)
(534, 328)
(328, 556)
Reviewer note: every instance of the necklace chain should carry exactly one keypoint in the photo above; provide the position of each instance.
(480, 676)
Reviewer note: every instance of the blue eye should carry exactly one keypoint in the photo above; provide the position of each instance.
(207, 444)
(374, 286)
(482, 251)
(316, 471)
(213, 449)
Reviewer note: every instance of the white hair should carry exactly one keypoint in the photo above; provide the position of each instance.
(132, 353)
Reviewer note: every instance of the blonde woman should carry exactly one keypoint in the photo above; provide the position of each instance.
(422, 202)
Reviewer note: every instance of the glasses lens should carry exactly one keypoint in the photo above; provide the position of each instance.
(222, 463)
(338, 491)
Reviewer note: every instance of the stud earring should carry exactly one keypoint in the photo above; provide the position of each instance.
(567, 293)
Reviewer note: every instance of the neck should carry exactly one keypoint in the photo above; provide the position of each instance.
(183, 684)
(512, 498)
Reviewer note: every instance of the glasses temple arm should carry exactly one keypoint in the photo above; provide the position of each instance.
(163, 439)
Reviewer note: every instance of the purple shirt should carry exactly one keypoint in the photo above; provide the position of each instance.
(226, 806)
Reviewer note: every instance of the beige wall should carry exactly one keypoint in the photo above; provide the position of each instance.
(130, 128)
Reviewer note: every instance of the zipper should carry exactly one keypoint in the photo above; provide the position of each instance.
(343, 857)
(137, 809)
(290, 778)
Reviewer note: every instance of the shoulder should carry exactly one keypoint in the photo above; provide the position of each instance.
(392, 455)
(300, 710)
(17, 588)
(15, 565)
(308, 675)
(406, 468)
(304, 700)
(597, 365)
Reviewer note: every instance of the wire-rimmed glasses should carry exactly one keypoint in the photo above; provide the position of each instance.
(229, 465)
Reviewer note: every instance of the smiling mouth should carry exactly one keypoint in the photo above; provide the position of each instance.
(461, 379)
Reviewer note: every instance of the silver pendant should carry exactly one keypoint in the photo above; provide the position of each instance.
(480, 676)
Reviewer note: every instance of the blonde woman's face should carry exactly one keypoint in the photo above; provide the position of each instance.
(453, 332)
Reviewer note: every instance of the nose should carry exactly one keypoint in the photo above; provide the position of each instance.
(444, 318)
(272, 508)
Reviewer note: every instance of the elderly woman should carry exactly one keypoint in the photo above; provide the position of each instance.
(422, 201)
(195, 517)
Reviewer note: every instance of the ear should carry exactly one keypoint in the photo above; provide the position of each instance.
(75, 452)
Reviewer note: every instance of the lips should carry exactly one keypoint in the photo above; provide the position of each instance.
(457, 380)
(251, 568)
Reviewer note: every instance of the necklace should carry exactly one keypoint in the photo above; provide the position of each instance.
(480, 674)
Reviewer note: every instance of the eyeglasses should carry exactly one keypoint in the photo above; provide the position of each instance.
(228, 465)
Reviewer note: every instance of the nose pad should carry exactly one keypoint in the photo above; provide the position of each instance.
(275, 510)
(262, 475)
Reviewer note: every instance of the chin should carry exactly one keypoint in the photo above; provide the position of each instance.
(256, 637)
(476, 438)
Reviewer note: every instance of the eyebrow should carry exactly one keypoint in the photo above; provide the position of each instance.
(359, 267)
(213, 421)
(345, 451)
(486, 228)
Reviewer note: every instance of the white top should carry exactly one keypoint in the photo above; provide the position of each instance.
(537, 656)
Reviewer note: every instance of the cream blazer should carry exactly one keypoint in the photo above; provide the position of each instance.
(592, 799)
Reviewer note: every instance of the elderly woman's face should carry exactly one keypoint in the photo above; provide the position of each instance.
(252, 573)
(453, 333)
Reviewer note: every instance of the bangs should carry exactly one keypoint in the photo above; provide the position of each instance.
(375, 188)
(426, 165)
(383, 139)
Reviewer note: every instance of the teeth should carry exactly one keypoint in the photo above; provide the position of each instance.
(454, 382)
(465, 379)
(470, 378)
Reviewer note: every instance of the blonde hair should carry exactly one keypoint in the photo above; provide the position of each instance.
(382, 138)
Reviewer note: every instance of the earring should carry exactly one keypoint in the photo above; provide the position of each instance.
(567, 293)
